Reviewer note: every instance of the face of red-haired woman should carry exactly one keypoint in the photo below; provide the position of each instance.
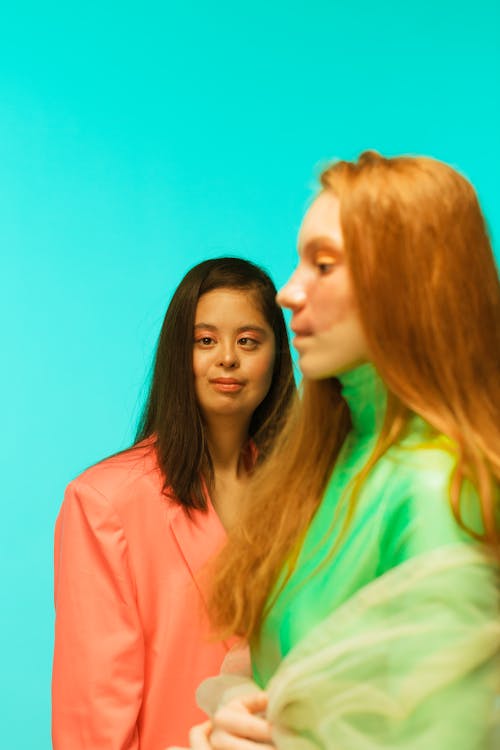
(328, 333)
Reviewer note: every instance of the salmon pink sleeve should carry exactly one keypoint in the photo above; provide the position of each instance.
(99, 655)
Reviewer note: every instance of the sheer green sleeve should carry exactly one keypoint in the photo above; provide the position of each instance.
(412, 661)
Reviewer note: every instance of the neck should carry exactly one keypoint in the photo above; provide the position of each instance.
(366, 397)
(226, 441)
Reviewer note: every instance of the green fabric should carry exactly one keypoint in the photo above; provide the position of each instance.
(410, 662)
(402, 521)
(403, 510)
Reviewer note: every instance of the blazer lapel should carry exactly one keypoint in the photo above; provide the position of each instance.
(199, 537)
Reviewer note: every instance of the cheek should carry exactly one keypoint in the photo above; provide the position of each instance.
(263, 369)
(332, 312)
(199, 366)
(334, 304)
(195, 365)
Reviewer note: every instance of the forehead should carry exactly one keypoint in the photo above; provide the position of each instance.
(322, 220)
(231, 306)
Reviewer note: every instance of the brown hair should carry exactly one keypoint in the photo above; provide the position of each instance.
(428, 296)
(171, 414)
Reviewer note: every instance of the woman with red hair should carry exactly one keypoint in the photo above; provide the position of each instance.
(365, 573)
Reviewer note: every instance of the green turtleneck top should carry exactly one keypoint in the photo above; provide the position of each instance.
(402, 510)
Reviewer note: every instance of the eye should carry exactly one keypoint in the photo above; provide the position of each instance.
(248, 343)
(204, 341)
(324, 268)
(325, 265)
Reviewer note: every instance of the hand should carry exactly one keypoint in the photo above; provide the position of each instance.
(198, 738)
(237, 726)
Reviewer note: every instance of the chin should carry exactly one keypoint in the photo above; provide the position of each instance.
(317, 370)
(312, 370)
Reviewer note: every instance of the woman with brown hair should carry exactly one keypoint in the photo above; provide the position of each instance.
(136, 530)
(365, 571)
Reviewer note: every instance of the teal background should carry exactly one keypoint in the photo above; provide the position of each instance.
(139, 139)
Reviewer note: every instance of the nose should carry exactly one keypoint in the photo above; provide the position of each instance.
(228, 356)
(292, 295)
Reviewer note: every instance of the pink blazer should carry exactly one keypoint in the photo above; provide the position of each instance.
(132, 634)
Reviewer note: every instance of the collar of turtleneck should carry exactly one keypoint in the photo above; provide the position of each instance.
(366, 396)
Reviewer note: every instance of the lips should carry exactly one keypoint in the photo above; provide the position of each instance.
(301, 335)
(300, 330)
(227, 385)
(227, 381)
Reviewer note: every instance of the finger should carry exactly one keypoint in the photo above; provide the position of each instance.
(220, 740)
(253, 704)
(241, 724)
(199, 736)
(256, 703)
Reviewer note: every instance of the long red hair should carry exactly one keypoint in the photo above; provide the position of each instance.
(428, 296)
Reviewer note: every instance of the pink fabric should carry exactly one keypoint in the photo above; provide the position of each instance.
(132, 635)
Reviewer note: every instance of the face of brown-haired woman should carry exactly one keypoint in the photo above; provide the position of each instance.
(328, 333)
(233, 356)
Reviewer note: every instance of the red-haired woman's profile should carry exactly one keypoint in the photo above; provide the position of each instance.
(135, 531)
(365, 574)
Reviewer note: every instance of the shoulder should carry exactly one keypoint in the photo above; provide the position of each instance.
(418, 515)
(424, 460)
(127, 477)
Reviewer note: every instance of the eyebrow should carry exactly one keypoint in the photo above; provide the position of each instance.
(249, 327)
(319, 244)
